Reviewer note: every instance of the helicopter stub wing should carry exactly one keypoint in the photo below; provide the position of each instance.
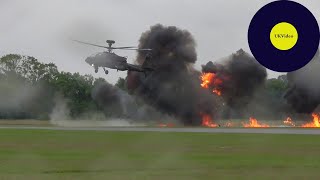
(132, 67)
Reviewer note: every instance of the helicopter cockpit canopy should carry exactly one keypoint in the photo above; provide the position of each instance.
(106, 56)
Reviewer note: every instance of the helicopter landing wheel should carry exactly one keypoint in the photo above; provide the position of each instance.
(96, 69)
(106, 72)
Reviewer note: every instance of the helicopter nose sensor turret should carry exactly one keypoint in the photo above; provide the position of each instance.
(89, 60)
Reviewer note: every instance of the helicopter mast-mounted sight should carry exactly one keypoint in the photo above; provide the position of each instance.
(110, 43)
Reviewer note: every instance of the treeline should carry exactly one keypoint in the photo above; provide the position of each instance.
(31, 89)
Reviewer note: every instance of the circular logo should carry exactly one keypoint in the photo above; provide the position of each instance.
(283, 36)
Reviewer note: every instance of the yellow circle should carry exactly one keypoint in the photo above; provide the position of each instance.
(284, 36)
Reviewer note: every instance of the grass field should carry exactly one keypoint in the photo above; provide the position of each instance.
(44, 154)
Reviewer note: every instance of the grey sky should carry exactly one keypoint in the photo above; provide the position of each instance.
(41, 28)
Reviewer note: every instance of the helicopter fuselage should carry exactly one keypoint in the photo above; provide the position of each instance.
(109, 60)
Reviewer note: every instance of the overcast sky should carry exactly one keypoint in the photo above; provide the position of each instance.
(41, 28)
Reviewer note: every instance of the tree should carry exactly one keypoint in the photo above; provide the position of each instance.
(121, 84)
(99, 81)
(283, 78)
(27, 67)
(77, 89)
(9, 63)
(35, 71)
(277, 87)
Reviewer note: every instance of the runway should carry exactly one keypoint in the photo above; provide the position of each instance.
(177, 130)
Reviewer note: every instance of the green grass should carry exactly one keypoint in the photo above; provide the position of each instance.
(41, 154)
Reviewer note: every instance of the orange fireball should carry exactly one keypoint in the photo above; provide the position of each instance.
(210, 80)
(206, 79)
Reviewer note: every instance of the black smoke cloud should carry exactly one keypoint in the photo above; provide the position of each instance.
(174, 86)
(108, 97)
(242, 76)
(116, 103)
(304, 92)
(174, 89)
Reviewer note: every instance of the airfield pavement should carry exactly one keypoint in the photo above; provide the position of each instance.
(310, 131)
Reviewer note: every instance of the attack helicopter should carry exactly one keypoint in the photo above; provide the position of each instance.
(108, 59)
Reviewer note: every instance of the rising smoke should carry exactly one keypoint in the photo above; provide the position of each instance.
(116, 103)
(23, 100)
(108, 97)
(174, 86)
(304, 92)
(241, 77)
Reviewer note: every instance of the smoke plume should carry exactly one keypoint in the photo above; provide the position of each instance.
(116, 103)
(241, 76)
(304, 92)
(20, 99)
(174, 86)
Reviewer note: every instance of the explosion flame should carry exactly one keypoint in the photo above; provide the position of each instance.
(289, 122)
(208, 122)
(315, 123)
(253, 123)
(210, 80)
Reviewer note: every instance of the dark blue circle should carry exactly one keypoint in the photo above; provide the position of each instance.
(259, 36)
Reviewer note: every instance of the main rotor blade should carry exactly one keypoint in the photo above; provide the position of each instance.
(129, 47)
(107, 47)
(135, 49)
(81, 42)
